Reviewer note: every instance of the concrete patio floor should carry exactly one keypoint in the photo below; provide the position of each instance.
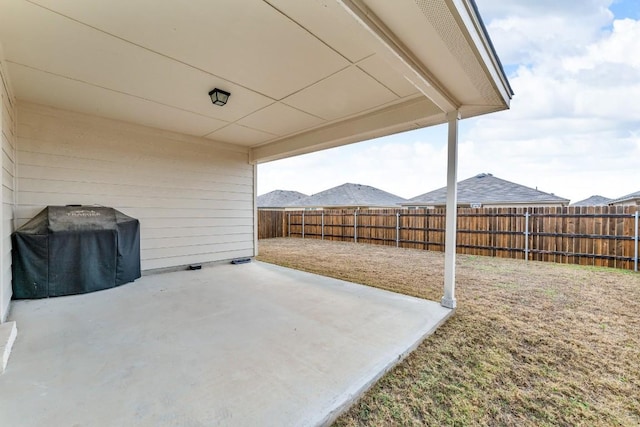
(238, 345)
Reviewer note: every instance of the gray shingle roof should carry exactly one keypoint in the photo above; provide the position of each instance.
(630, 196)
(487, 189)
(593, 201)
(350, 195)
(278, 198)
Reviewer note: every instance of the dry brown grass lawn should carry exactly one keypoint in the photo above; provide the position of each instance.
(531, 344)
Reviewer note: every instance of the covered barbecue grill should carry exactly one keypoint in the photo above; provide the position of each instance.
(66, 250)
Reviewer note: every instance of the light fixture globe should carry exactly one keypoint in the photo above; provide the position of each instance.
(219, 96)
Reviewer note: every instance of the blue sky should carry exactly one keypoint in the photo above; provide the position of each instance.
(573, 128)
(626, 9)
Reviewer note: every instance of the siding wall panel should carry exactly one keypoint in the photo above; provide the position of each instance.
(225, 224)
(188, 207)
(131, 175)
(105, 151)
(193, 197)
(65, 161)
(170, 242)
(168, 233)
(8, 142)
(132, 190)
(158, 263)
(171, 252)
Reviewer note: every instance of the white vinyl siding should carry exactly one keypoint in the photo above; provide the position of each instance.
(193, 197)
(8, 135)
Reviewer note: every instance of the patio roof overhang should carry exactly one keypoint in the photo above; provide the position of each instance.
(303, 76)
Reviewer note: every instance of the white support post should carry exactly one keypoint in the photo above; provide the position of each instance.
(449, 298)
(255, 211)
(526, 236)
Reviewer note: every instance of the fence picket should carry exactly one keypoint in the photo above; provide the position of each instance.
(601, 236)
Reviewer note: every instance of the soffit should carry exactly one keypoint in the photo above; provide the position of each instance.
(378, 68)
(433, 34)
(328, 22)
(342, 94)
(242, 41)
(69, 94)
(280, 119)
(292, 67)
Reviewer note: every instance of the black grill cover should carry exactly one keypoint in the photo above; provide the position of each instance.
(66, 250)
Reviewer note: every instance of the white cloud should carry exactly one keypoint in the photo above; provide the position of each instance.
(495, 9)
(619, 48)
(526, 31)
(574, 122)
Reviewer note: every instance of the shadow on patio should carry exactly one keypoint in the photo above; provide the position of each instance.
(251, 344)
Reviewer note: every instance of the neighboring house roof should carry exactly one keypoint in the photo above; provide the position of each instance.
(487, 189)
(279, 198)
(350, 195)
(593, 201)
(628, 197)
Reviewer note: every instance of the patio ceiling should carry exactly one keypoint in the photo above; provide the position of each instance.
(302, 75)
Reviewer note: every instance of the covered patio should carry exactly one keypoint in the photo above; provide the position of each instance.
(117, 104)
(241, 345)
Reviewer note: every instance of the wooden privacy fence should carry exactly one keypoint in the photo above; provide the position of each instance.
(602, 236)
(271, 224)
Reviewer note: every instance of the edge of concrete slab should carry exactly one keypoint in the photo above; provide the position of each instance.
(8, 334)
(350, 398)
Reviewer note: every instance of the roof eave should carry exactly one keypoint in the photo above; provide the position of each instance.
(624, 199)
(472, 8)
(406, 114)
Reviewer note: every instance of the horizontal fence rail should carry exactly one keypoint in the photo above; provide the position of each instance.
(602, 236)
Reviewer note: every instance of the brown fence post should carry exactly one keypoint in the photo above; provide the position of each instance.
(397, 229)
(355, 226)
(526, 235)
(284, 223)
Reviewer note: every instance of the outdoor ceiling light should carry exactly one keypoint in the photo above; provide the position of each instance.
(219, 96)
